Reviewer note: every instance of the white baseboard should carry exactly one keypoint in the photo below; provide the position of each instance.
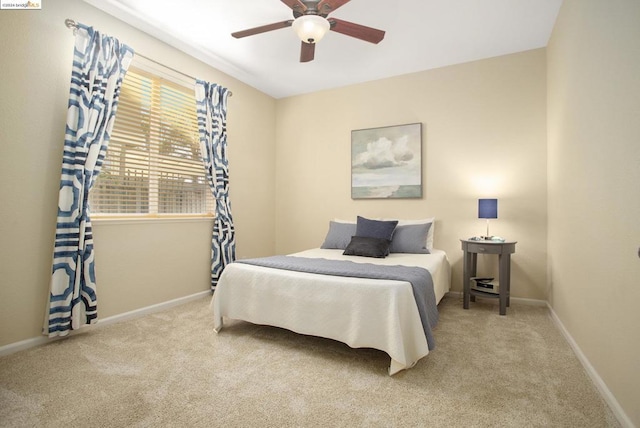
(41, 340)
(617, 410)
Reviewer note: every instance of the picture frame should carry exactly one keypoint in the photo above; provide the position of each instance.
(386, 162)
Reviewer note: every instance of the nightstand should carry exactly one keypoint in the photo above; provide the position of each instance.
(471, 250)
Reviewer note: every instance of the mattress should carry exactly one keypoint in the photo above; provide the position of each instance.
(371, 313)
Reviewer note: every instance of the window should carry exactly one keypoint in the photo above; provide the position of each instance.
(153, 166)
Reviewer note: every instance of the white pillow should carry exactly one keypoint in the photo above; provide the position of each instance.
(338, 220)
(431, 220)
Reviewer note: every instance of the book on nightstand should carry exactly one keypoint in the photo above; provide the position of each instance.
(486, 285)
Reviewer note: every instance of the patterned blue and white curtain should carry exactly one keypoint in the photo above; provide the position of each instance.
(212, 126)
(99, 65)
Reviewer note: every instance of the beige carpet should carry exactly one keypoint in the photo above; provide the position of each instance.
(170, 369)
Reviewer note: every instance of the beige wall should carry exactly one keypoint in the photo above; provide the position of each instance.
(594, 177)
(137, 264)
(484, 135)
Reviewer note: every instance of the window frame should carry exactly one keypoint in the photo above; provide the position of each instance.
(166, 73)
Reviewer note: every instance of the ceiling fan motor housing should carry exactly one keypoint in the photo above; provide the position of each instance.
(311, 24)
(311, 28)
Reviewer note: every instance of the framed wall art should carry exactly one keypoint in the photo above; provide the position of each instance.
(386, 162)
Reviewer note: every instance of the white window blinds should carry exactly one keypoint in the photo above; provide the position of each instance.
(153, 165)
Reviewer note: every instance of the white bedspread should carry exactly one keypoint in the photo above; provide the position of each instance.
(379, 314)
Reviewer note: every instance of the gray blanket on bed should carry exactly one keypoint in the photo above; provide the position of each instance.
(420, 280)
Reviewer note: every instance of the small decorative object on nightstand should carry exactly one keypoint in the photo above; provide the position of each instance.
(487, 287)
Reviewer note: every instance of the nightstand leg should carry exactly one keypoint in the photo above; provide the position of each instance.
(465, 280)
(508, 269)
(468, 270)
(474, 270)
(503, 261)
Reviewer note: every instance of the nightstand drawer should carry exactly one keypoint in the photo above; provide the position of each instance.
(484, 248)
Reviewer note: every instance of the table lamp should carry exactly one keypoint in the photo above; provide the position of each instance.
(487, 208)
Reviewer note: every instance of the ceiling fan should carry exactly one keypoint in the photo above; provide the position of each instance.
(311, 24)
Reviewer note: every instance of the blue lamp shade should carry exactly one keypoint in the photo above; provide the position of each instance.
(487, 208)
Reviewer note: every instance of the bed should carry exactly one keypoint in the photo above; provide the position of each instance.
(362, 312)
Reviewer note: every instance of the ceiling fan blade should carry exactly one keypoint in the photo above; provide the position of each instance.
(296, 5)
(325, 7)
(307, 52)
(358, 31)
(262, 29)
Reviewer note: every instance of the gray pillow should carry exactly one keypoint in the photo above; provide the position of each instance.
(410, 238)
(382, 229)
(339, 235)
(367, 247)
(375, 228)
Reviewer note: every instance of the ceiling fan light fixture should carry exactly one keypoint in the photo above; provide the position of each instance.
(310, 28)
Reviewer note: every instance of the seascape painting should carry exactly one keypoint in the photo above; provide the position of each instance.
(387, 162)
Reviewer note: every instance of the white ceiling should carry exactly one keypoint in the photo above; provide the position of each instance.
(420, 35)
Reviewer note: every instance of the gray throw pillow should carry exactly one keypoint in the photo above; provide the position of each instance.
(376, 228)
(382, 229)
(410, 238)
(367, 247)
(339, 235)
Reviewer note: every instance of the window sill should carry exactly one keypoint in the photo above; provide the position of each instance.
(149, 220)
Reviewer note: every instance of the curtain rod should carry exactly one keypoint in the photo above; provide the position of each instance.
(70, 23)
